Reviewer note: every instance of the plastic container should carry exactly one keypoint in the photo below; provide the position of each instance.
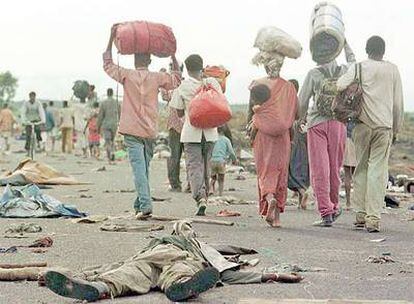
(327, 33)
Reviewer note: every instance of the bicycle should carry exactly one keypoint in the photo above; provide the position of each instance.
(32, 142)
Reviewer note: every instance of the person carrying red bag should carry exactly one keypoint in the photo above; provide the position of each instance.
(198, 143)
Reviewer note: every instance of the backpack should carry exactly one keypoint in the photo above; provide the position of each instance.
(348, 103)
(327, 92)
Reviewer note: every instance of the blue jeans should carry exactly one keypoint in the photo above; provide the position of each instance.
(140, 151)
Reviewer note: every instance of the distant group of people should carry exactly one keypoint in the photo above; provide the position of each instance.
(295, 146)
(81, 122)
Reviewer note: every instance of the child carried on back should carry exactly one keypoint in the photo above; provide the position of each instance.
(259, 94)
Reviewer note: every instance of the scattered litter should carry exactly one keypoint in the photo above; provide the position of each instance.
(84, 190)
(240, 177)
(234, 169)
(131, 228)
(161, 199)
(228, 213)
(16, 236)
(30, 202)
(380, 259)
(226, 200)
(32, 172)
(85, 196)
(411, 207)
(39, 250)
(24, 227)
(378, 240)
(100, 169)
(119, 191)
(42, 242)
(391, 201)
(91, 219)
(12, 249)
(284, 268)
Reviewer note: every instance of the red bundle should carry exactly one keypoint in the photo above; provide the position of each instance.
(209, 108)
(145, 37)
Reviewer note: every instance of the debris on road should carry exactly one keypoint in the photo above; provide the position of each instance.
(378, 240)
(228, 213)
(8, 266)
(30, 202)
(32, 172)
(91, 219)
(131, 228)
(226, 200)
(42, 242)
(12, 249)
(380, 259)
(23, 228)
(193, 220)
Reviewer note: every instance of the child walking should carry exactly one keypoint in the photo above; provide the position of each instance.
(94, 138)
(223, 150)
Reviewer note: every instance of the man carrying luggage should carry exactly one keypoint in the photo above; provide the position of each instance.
(139, 116)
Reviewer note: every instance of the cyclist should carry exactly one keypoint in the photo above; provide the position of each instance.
(33, 113)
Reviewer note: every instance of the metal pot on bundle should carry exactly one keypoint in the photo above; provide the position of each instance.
(327, 33)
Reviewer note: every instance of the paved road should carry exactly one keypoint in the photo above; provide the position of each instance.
(340, 250)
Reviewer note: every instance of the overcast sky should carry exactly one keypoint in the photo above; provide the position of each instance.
(49, 44)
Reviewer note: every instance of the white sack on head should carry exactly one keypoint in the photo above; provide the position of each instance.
(273, 39)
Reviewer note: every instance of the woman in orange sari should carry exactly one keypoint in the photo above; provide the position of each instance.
(272, 121)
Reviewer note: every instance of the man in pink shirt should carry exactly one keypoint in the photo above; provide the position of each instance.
(139, 116)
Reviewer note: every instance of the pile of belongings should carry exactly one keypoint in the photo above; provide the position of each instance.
(274, 45)
(32, 172)
(30, 202)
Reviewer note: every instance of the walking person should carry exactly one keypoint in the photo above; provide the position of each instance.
(55, 130)
(48, 127)
(94, 137)
(349, 162)
(67, 123)
(108, 120)
(174, 126)
(198, 143)
(139, 116)
(33, 113)
(274, 107)
(7, 121)
(222, 152)
(380, 121)
(326, 136)
(299, 165)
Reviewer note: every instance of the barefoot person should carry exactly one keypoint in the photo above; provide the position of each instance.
(299, 165)
(273, 120)
(223, 150)
(139, 116)
(179, 265)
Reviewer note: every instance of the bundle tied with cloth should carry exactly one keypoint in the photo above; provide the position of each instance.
(274, 45)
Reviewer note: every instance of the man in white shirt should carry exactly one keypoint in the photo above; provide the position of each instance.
(33, 113)
(379, 123)
(198, 143)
